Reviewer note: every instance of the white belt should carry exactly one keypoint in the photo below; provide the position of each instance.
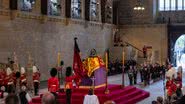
(10, 83)
(35, 81)
(23, 80)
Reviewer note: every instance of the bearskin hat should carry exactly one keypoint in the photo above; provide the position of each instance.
(8, 71)
(53, 72)
(61, 63)
(35, 69)
(68, 71)
(17, 74)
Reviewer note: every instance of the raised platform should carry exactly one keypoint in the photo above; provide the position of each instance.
(127, 95)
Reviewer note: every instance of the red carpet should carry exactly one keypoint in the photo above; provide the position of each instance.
(127, 95)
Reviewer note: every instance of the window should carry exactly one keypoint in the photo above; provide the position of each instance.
(180, 5)
(161, 5)
(94, 10)
(171, 5)
(167, 5)
(27, 5)
(108, 11)
(54, 7)
(76, 8)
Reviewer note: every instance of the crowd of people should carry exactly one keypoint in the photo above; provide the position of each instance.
(173, 84)
(15, 80)
(148, 72)
(115, 67)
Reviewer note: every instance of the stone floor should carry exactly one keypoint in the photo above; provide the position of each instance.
(156, 89)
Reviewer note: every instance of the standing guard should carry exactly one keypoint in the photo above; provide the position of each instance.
(23, 80)
(2, 77)
(53, 83)
(36, 80)
(68, 84)
(9, 80)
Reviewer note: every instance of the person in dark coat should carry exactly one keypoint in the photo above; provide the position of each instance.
(24, 96)
(130, 74)
(135, 74)
(146, 76)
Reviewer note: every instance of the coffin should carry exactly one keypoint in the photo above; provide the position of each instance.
(98, 75)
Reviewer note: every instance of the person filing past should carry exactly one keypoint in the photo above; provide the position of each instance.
(130, 75)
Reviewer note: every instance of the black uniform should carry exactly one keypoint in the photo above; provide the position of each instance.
(146, 76)
(135, 75)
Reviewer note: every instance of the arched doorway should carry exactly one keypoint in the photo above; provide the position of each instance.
(179, 51)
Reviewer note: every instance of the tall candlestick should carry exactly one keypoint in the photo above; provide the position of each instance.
(123, 57)
(58, 59)
(106, 60)
(123, 77)
(106, 63)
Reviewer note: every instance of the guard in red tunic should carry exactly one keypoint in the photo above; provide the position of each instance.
(23, 80)
(68, 84)
(36, 80)
(2, 85)
(170, 87)
(53, 82)
(9, 80)
(2, 77)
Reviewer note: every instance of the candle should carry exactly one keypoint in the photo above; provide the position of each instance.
(58, 59)
(106, 60)
(123, 57)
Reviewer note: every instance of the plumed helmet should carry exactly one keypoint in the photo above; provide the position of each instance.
(53, 72)
(68, 71)
(35, 69)
(171, 73)
(22, 70)
(8, 71)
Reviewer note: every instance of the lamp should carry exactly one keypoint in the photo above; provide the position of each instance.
(139, 6)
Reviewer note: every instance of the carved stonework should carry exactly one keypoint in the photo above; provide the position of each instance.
(108, 11)
(94, 10)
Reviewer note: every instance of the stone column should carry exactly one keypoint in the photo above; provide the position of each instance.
(98, 11)
(36, 7)
(83, 9)
(1, 1)
(62, 13)
(5, 4)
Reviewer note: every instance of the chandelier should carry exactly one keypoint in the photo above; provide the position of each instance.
(139, 6)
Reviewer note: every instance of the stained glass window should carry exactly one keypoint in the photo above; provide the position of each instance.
(94, 10)
(54, 7)
(75, 8)
(171, 5)
(27, 5)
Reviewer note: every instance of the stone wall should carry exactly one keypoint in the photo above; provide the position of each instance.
(28, 33)
(127, 15)
(150, 35)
